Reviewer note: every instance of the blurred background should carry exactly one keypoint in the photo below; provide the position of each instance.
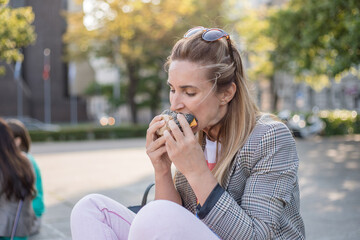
(92, 70)
(76, 69)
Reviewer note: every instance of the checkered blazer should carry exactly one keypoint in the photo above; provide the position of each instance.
(260, 197)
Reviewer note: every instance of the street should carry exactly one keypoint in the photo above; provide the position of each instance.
(329, 177)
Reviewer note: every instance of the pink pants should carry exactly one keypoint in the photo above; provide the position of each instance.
(99, 217)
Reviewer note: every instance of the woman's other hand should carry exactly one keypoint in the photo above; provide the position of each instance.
(156, 150)
(155, 147)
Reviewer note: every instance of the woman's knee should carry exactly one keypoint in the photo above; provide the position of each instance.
(163, 219)
(100, 213)
(162, 209)
(85, 204)
(157, 217)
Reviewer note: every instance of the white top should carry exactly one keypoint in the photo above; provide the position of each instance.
(210, 153)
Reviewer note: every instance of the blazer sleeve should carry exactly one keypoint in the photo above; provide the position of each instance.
(268, 189)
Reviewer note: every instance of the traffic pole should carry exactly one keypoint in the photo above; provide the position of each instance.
(47, 86)
(17, 72)
(73, 97)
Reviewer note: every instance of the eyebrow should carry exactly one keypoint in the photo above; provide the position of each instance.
(182, 87)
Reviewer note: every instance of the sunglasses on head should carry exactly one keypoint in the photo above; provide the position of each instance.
(211, 35)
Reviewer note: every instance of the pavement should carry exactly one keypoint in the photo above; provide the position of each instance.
(329, 177)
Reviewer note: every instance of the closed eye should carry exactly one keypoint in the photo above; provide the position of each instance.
(185, 89)
(189, 94)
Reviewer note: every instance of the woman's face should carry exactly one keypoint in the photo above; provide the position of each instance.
(191, 92)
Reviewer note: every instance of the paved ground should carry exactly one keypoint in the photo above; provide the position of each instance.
(329, 177)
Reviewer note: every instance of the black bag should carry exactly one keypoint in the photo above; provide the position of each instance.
(137, 208)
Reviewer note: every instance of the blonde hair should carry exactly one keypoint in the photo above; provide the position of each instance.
(240, 119)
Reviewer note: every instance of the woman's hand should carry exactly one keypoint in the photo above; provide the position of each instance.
(183, 148)
(155, 147)
(156, 150)
(188, 157)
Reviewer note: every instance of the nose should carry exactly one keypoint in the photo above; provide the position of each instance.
(176, 103)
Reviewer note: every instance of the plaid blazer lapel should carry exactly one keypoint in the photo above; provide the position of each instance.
(226, 181)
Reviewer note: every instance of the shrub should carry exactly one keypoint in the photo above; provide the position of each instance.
(89, 133)
(340, 122)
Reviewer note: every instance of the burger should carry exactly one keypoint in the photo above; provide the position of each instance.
(168, 115)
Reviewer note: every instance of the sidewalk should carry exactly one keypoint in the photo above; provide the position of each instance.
(118, 169)
(329, 177)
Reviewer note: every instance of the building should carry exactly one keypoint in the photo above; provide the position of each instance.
(64, 105)
(294, 96)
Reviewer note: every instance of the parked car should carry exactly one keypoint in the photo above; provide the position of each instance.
(33, 124)
(302, 126)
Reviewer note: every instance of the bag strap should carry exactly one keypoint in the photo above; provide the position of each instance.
(16, 221)
(147, 190)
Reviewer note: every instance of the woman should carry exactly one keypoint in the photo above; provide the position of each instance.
(16, 185)
(236, 178)
(23, 142)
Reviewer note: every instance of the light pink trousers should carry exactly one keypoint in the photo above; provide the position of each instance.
(97, 217)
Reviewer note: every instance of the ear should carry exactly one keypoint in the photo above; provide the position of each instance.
(18, 141)
(228, 94)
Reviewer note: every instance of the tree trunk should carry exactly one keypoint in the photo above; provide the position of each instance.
(156, 99)
(311, 101)
(274, 95)
(133, 82)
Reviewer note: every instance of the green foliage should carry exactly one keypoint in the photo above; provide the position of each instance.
(317, 39)
(16, 32)
(107, 90)
(336, 122)
(340, 122)
(136, 36)
(252, 27)
(90, 133)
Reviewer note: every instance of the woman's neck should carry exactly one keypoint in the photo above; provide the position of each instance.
(212, 132)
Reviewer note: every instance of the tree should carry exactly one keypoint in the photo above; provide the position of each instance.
(251, 26)
(16, 32)
(316, 40)
(136, 37)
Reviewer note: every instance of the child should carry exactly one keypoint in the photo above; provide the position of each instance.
(23, 142)
(17, 188)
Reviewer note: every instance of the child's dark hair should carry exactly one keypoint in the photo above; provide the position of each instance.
(19, 130)
(16, 174)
